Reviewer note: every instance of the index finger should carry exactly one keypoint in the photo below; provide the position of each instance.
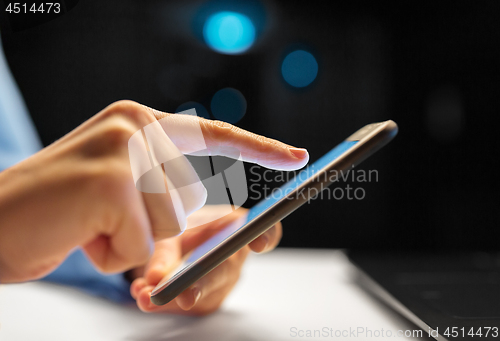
(221, 137)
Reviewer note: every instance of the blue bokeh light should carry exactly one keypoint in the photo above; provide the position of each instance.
(299, 68)
(228, 105)
(201, 111)
(229, 32)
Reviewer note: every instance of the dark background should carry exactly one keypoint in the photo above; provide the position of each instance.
(434, 68)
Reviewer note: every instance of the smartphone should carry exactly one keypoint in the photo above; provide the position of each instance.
(272, 209)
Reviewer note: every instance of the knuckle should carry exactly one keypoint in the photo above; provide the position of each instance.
(222, 125)
(117, 130)
(221, 130)
(123, 106)
(260, 139)
(130, 110)
(108, 136)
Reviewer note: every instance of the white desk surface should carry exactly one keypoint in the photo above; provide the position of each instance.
(287, 288)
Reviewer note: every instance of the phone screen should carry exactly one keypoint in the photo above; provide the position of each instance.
(277, 195)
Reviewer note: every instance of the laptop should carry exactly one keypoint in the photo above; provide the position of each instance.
(450, 296)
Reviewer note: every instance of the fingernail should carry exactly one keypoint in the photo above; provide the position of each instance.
(299, 153)
(196, 295)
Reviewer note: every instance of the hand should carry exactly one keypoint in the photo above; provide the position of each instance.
(79, 191)
(208, 293)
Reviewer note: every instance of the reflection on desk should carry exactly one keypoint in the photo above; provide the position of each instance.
(282, 295)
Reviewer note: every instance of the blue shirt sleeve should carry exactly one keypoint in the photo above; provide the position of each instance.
(19, 140)
(18, 136)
